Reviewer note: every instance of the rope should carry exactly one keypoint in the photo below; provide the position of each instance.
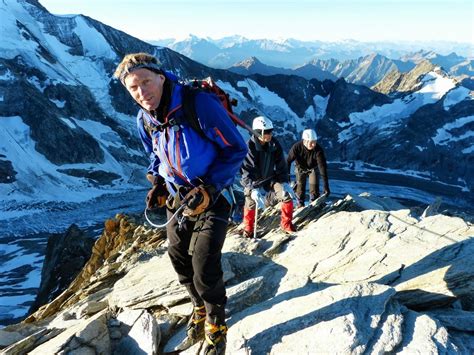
(414, 225)
(164, 224)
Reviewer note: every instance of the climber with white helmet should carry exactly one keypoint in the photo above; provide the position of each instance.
(263, 170)
(308, 154)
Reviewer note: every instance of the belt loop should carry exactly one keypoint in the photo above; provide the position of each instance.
(196, 230)
(192, 243)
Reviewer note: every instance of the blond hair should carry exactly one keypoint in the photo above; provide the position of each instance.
(136, 61)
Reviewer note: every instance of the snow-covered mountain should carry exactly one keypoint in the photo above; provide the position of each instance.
(68, 129)
(291, 53)
(60, 131)
(428, 129)
(227, 51)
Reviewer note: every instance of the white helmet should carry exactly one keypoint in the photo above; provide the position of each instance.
(261, 123)
(309, 135)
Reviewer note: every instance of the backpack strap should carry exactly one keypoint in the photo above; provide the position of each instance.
(189, 108)
(148, 128)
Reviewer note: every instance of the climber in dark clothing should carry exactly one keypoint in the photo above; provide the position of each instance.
(193, 170)
(264, 169)
(308, 154)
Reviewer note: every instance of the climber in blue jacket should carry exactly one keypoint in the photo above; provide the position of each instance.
(190, 166)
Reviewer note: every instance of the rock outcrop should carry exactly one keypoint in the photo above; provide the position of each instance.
(7, 173)
(362, 275)
(65, 257)
(398, 82)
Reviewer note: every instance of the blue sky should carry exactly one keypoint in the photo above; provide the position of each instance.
(364, 20)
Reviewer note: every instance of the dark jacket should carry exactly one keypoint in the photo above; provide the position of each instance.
(306, 160)
(263, 163)
(181, 155)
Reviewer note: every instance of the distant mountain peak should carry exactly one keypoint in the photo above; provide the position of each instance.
(253, 65)
(374, 55)
(249, 62)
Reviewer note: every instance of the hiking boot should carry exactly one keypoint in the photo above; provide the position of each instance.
(289, 229)
(216, 339)
(194, 329)
(247, 234)
(250, 234)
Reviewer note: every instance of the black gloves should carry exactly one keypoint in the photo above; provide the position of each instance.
(198, 200)
(157, 195)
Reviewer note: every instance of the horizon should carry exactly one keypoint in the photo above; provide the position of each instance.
(304, 20)
(280, 39)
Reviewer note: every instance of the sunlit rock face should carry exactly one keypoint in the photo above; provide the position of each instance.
(362, 274)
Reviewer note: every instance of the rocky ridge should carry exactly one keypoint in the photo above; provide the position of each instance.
(398, 82)
(363, 274)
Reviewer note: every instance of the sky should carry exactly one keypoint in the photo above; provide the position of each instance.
(327, 20)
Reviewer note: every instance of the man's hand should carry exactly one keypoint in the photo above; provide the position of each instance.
(198, 200)
(156, 196)
(258, 197)
(154, 180)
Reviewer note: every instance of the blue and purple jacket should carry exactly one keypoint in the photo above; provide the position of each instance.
(182, 156)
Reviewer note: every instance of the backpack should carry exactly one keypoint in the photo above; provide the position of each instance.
(208, 86)
(188, 104)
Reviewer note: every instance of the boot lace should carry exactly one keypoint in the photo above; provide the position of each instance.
(199, 315)
(215, 333)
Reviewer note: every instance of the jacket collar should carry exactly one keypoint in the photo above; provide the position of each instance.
(263, 147)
